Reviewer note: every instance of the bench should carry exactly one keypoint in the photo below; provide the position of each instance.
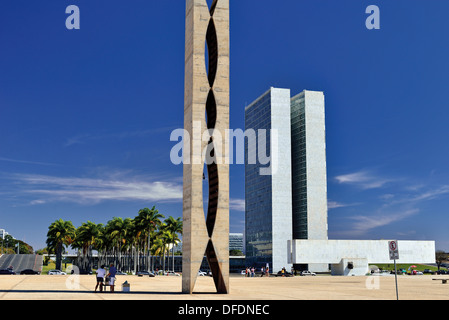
(444, 281)
(107, 282)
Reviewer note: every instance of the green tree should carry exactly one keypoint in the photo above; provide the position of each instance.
(88, 236)
(147, 221)
(126, 240)
(440, 257)
(60, 233)
(156, 249)
(236, 253)
(115, 232)
(165, 236)
(174, 227)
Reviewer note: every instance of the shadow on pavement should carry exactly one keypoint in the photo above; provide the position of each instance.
(93, 292)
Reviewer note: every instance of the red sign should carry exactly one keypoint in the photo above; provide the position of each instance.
(394, 251)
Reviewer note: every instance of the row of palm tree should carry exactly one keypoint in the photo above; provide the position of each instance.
(131, 244)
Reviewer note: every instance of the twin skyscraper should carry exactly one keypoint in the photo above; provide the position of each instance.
(291, 203)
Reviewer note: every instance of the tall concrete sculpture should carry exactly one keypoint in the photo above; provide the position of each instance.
(207, 108)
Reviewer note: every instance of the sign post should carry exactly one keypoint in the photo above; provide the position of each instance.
(394, 255)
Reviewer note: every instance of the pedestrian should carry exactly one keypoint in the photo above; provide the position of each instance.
(111, 275)
(253, 274)
(101, 273)
(267, 271)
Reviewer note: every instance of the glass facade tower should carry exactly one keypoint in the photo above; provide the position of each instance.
(258, 202)
(291, 202)
(309, 169)
(268, 196)
(299, 168)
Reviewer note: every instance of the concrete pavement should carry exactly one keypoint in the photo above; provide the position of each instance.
(43, 287)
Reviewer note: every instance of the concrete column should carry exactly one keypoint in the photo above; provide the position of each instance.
(206, 107)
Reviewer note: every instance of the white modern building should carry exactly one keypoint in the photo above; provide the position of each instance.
(353, 257)
(3, 233)
(286, 209)
(309, 170)
(268, 187)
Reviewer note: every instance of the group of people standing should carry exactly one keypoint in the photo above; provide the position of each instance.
(106, 278)
(250, 272)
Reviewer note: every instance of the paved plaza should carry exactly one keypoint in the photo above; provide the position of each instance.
(45, 287)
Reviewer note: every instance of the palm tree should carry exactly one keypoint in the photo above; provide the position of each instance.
(88, 237)
(135, 242)
(60, 233)
(164, 235)
(128, 240)
(115, 230)
(147, 221)
(121, 235)
(156, 249)
(174, 226)
(103, 244)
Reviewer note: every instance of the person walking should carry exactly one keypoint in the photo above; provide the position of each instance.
(111, 275)
(101, 273)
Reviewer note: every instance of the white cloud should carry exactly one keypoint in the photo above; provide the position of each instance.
(335, 205)
(411, 199)
(27, 162)
(387, 197)
(237, 204)
(112, 186)
(86, 138)
(364, 224)
(432, 194)
(91, 190)
(36, 202)
(394, 207)
(363, 179)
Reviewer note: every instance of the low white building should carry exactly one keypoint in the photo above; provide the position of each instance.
(3, 233)
(352, 257)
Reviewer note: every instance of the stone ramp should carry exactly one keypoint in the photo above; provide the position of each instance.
(5, 261)
(21, 262)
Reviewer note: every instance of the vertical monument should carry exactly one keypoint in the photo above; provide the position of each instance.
(206, 108)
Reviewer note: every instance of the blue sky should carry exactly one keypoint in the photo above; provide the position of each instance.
(86, 115)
